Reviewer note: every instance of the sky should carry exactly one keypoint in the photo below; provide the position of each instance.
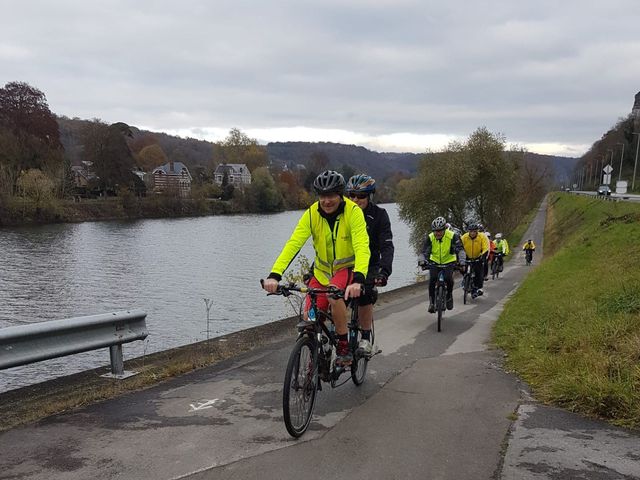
(390, 75)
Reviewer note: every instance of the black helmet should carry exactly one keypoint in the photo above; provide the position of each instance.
(329, 181)
(473, 226)
(361, 184)
(439, 223)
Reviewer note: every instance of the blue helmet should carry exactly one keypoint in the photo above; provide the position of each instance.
(361, 183)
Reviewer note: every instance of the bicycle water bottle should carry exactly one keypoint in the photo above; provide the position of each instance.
(312, 314)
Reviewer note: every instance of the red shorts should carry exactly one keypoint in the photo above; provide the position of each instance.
(341, 279)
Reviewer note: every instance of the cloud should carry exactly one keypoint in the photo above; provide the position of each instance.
(378, 73)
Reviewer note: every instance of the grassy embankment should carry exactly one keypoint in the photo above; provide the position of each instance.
(572, 330)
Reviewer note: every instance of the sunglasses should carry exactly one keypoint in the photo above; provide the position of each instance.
(359, 195)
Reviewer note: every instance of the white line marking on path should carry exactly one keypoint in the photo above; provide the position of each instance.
(203, 405)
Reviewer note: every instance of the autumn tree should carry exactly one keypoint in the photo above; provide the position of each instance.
(35, 185)
(238, 147)
(262, 195)
(150, 157)
(29, 135)
(475, 180)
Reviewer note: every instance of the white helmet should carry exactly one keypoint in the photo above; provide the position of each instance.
(488, 234)
(498, 236)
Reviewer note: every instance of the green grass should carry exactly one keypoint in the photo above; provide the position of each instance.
(572, 330)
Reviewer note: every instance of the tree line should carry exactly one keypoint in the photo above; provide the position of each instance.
(476, 180)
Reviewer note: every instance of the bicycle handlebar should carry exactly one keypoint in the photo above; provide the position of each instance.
(286, 290)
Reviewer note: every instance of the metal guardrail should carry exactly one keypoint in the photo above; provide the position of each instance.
(24, 344)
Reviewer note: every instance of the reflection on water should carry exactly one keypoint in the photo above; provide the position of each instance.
(165, 267)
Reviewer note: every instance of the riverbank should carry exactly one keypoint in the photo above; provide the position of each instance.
(68, 393)
(18, 211)
(572, 329)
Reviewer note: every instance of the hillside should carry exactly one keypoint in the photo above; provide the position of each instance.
(193, 152)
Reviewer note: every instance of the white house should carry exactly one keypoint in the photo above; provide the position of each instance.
(237, 174)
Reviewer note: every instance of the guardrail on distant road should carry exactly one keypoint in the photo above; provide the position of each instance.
(24, 344)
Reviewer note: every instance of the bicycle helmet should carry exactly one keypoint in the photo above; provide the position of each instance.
(473, 226)
(498, 236)
(329, 181)
(361, 184)
(487, 234)
(439, 223)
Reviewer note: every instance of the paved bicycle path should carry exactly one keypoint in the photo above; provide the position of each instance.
(435, 405)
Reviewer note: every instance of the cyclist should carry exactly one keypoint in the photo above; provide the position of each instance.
(502, 248)
(490, 256)
(341, 243)
(529, 248)
(360, 189)
(476, 247)
(442, 247)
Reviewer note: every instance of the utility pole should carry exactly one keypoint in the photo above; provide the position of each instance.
(621, 157)
(635, 164)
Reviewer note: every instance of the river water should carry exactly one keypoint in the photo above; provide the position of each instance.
(166, 267)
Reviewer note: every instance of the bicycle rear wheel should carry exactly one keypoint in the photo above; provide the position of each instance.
(300, 386)
(360, 360)
(440, 304)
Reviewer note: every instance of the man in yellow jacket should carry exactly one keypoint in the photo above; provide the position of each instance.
(339, 232)
(476, 247)
(529, 248)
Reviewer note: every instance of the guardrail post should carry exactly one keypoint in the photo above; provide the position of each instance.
(117, 363)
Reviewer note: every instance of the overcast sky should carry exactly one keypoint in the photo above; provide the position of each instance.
(391, 75)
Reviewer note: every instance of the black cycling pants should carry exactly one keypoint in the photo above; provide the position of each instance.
(433, 278)
(479, 271)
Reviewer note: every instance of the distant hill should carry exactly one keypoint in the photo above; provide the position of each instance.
(376, 164)
(193, 153)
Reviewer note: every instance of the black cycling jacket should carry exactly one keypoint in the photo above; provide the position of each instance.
(380, 240)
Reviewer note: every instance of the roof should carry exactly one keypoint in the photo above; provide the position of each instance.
(172, 168)
(237, 168)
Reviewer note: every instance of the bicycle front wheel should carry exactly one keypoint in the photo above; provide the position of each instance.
(300, 386)
(440, 304)
(466, 286)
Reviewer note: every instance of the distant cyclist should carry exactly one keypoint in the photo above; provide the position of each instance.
(476, 247)
(339, 233)
(443, 248)
(502, 249)
(529, 248)
(490, 256)
(360, 189)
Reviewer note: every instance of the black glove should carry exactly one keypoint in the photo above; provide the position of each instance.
(380, 280)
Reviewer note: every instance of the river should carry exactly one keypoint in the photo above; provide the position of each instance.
(166, 267)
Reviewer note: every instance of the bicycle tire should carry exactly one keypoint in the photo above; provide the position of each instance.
(440, 304)
(298, 401)
(360, 361)
(465, 287)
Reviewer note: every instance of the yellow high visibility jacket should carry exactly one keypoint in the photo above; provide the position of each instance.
(502, 246)
(529, 246)
(441, 251)
(475, 247)
(347, 245)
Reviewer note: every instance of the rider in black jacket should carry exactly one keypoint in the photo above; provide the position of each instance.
(360, 188)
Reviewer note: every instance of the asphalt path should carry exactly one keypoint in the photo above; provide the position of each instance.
(434, 406)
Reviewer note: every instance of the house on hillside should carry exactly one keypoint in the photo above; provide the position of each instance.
(172, 177)
(82, 175)
(237, 174)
